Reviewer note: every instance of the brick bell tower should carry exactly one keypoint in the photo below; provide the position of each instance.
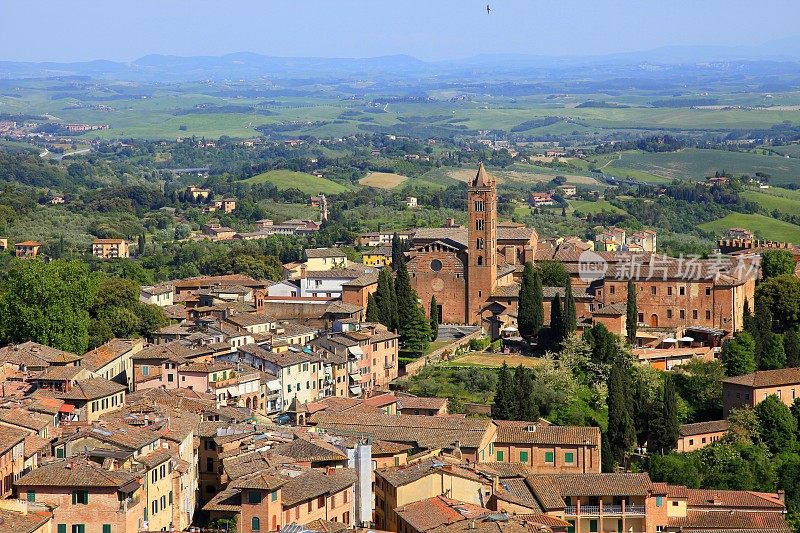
(482, 245)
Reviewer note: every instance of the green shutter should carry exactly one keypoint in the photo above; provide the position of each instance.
(60, 455)
(593, 526)
(31, 495)
(569, 457)
(62, 528)
(549, 457)
(106, 528)
(274, 495)
(523, 457)
(499, 456)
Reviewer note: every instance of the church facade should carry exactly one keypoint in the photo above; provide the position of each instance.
(463, 267)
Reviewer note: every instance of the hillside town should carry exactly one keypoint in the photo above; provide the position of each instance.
(264, 405)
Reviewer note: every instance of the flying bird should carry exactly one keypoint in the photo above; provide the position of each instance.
(488, 9)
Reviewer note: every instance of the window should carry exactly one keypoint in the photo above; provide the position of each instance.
(479, 224)
(310, 506)
(60, 455)
(480, 206)
(209, 465)
(320, 502)
(106, 528)
(708, 314)
(659, 501)
(479, 244)
(31, 495)
(523, 457)
(682, 313)
(682, 291)
(593, 526)
(62, 528)
(254, 497)
(155, 507)
(569, 457)
(708, 291)
(675, 503)
(499, 456)
(691, 442)
(549, 457)
(255, 524)
(80, 497)
(170, 377)
(653, 290)
(611, 289)
(669, 291)
(78, 528)
(669, 313)
(694, 314)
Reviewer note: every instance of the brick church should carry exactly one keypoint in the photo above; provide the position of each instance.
(464, 267)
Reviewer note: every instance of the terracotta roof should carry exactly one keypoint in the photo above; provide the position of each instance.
(727, 522)
(309, 448)
(418, 402)
(398, 476)
(424, 515)
(17, 522)
(617, 309)
(60, 373)
(313, 483)
(423, 431)
(75, 473)
(495, 523)
(10, 437)
(732, 499)
(767, 378)
(700, 428)
(550, 490)
(154, 458)
(520, 432)
(34, 354)
(259, 481)
(326, 526)
(91, 389)
(35, 443)
(108, 241)
(25, 419)
(518, 491)
(228, 500)
(362, 281)
(106, 353)
(324, 252)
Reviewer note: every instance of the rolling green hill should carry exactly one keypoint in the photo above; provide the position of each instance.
(287, 179)
(764, 227)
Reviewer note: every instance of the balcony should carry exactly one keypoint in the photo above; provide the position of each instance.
(608, 510)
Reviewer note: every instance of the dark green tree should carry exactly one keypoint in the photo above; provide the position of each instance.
(503, 403)
(642, 411)
(538, 303)
(552, 273)
(777, 263)
(397, 250)
(791, 346)
(142, 245)
(739, 354)
(778, 425)
(433, 316)
(47, 303)
(773, 356)
(570, 322)
(372, 309)
(386, 301)
(665, 426)
(621, 430)
(556, 320)
(526, 308)
(781, 297)
(747, 320)
(631, 313)
(415, 333)
(525, 408)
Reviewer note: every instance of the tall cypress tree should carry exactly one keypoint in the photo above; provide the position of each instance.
(525, 312)
(665, 426)
(503, 403)
(386, 300)
(415, 333)
(524, 406)
(434, 318)
(397, 250)
(632, 313)
(538, 303)
(621, 430)
(570, 321)
(372, 309)
(556, 320)
(141, 247)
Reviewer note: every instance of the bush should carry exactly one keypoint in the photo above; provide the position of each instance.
(480, 344)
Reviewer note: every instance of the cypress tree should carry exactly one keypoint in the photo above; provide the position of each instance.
(538, 303)
(791, 346)
(142, 243)
(372, 310)
(632, 313)
(525, 312)
(747, 321)
(665, 426)
(397, 250)
(434, 318)
(556, 320)
(503, 403)
(385, 300)
(415, 333)
(524, 406)
(412, 324)
(570, 321)
(621, 430)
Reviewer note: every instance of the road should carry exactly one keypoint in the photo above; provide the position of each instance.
(447, 332)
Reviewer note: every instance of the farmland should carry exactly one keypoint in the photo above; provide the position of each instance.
(493, 360)
(287, 179)
(589, 207)
(764, 227)
(783, 200)
(382, 180)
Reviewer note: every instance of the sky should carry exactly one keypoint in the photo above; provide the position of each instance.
(124, 30)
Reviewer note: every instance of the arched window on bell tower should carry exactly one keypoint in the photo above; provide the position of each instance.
(479, 244)
(480, 260)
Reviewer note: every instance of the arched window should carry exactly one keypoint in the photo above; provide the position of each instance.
(255, 524)
(479, 244)
(480, 260)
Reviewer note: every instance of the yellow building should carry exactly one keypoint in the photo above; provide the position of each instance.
(158, 513)
(321, 259)
(110, 249)
(378, 257)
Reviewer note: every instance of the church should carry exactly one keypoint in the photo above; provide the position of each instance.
(466, 269)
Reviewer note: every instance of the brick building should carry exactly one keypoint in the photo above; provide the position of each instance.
(462, 267)
(749, 390)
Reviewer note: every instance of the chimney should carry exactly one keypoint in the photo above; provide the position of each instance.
(781, 495)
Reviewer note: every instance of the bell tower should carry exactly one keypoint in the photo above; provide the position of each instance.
(482, 242)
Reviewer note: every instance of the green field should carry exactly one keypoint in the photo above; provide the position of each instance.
(280, 212)
(287, 179)
(783, 200)
(697, 164)
(588, 207)
(764, 227)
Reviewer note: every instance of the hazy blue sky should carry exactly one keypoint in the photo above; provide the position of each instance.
(71, 30)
